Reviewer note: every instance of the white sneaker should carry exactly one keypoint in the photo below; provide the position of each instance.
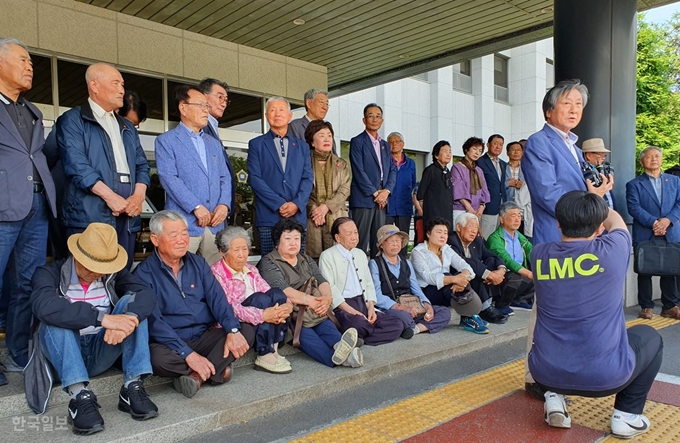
(626, 425)
(555, 408)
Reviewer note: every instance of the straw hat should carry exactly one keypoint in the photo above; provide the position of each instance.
(388, 231)
(97, 249)
(594, 145)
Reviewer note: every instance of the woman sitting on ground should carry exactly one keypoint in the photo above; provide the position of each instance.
(300, 279)
(252, 299)
(346, 269)
(394, 278)
(445, 276)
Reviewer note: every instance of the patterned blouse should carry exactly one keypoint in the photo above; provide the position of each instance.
(236, 289)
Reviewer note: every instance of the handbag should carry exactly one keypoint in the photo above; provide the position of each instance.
(657, 257)
(304, 317)
(407, 300)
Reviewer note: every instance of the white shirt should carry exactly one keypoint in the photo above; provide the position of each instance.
(352, 286)
(569, 139)
(430, 270)
(108, 121)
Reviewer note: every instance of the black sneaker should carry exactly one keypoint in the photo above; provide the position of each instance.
(83, 414)
(492, 315)
(135, 401)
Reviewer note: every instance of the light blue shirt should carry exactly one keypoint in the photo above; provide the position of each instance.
(199, 145)
(514, 247)
(214, 124)
(657, 185)
(385, 302)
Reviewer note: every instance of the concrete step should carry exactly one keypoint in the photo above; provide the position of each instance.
(249, 394)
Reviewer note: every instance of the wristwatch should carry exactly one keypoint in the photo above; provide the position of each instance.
(233, 330)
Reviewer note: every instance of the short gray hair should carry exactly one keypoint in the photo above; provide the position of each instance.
(309, 95)
(6, 41)
(395, 134)
(157, 220)
(508, 206)
(560, 89)
(227, 235)
(275, 99)
(650, 148)
(463, 219)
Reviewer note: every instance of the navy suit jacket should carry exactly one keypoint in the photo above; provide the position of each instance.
(496, 185)
(550, 171)
(272, 185)
(186, 181)
(645, 208)
(366, 171)
(16, 168)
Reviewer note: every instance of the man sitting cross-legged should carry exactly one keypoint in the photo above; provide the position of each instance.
(93, 311)
(194, 334)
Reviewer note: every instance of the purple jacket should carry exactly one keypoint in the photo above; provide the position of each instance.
(460, 177)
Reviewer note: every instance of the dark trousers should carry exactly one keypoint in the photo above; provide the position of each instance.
(403, 222)
(267, 334)
(515, 288)
(368, 221)
(168, 363)
(442, 317)
(648, 348)
(669, 292)
(385, 329)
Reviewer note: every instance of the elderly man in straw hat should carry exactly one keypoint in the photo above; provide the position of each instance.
(595, 156)
(393, 278)
(93, 310)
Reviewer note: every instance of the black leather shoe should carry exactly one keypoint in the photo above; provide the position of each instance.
(492, 315)
(535, 391)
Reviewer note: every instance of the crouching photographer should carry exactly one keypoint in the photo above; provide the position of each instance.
(597, 172)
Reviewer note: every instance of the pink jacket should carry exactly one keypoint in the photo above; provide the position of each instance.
(235, 290)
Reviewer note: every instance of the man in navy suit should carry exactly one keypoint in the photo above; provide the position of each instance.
(373, 178)
(653, 200)
(26, 195)
(280, 174)
(551, 163)
(217, 95)
(494, 174)
(193, 173)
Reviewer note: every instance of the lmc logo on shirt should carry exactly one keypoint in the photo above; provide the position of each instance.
(568, 267)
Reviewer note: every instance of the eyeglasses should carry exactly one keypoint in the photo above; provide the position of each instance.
(323, 103)
(222, 98)
(203, 106)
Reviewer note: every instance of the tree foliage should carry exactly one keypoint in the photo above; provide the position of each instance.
(658, 88)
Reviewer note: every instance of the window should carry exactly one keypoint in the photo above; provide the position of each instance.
(462, 77)
(549, 73)
(500, 78)
(72, 86)
(41, 90)
(150, 89)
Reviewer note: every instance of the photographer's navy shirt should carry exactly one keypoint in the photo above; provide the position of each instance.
(580, 339)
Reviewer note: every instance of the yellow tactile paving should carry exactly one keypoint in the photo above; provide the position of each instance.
(441, 405)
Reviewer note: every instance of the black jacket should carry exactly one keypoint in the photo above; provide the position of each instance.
(52, 307)
(481, 260)
(675, 170)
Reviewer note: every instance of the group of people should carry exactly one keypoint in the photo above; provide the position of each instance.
(335, 278)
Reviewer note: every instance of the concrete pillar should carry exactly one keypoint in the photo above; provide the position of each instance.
(483, 91)
(441, 111)
(595, 41)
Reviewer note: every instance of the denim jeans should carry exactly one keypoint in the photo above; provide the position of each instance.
(23, 247)
(76, 358)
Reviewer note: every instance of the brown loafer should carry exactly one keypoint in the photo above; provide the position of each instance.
(188, 385)
(647, 313)
(674, 312)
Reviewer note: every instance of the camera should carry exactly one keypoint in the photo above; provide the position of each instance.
(592, 172)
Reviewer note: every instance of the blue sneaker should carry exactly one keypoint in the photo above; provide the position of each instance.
(505, 311)
(474, 324)
(520, 306)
